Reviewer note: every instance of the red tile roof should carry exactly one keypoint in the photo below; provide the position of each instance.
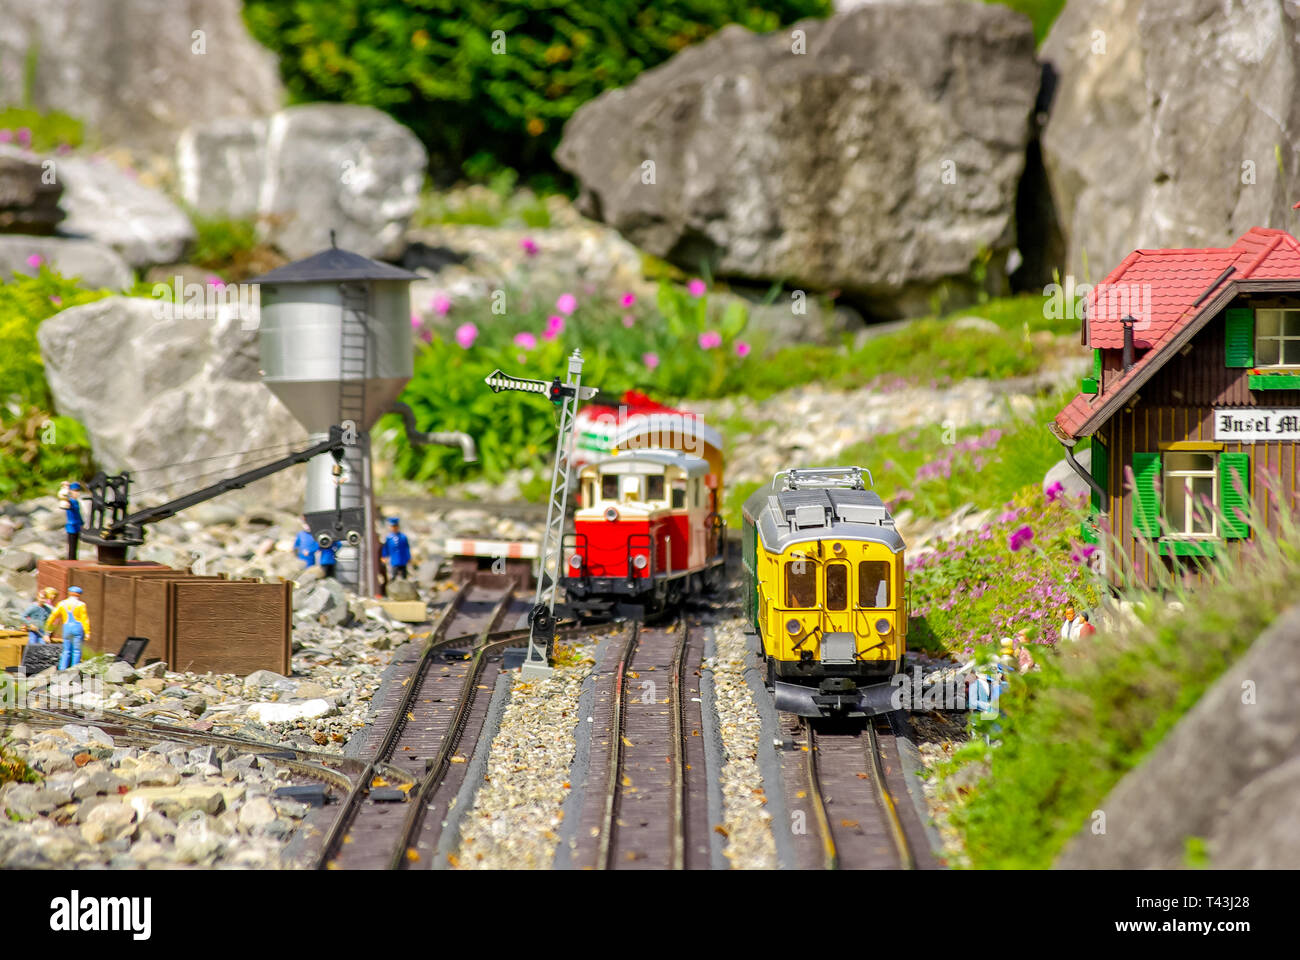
(1160, 289)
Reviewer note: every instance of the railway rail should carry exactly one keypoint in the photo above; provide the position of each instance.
(652, 813)
(853, 782)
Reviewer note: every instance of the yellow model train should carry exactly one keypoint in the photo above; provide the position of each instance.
(826, 591)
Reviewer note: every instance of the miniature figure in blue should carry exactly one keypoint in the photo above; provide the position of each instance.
(329, 559)
(35, 616)
(304, 545)
(76, 627)
(397, 550)
(72, 511)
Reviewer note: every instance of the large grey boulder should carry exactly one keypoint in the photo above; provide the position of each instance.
(158, 390)
(108, 204)
(883, 161)
(1226, 774)
(1174, 123)
(307, 170)
(29, 200)
(136, 71)
(96, 264)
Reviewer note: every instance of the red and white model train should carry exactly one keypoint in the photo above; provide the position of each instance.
(648, 531)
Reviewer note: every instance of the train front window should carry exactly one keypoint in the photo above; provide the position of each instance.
(800, 584)
(654, 491)
(837, 586)
(609, 486)
(679, 494)
(873, 583)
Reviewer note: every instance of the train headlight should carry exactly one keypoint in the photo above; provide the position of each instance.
(883, 626)
(640, 561)
(611, 514)
(575, 561)
(793, 627)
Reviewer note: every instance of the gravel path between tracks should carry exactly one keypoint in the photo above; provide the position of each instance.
(746, 819)
(517, 813)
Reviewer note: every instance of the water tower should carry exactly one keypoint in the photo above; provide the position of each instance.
(336, 348)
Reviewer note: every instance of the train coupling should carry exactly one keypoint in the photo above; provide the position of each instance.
(837, 697)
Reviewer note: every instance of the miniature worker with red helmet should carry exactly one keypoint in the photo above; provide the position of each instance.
(76, 626)
(397, 550)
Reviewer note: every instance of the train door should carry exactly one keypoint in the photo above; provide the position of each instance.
(837, 617)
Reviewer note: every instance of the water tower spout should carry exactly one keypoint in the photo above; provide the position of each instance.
(444, 438)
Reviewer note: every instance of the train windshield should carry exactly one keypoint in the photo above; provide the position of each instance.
(654, 490)
(873, 583)
(609, 486)
(800, 584)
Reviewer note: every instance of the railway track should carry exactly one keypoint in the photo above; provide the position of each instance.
(652, 813)
(384, 812)
(861, 816)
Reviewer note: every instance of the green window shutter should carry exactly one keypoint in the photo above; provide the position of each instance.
(1234, 493)
(1100, 473)
(1146, 496)
(1096, 365)
(1240, 351)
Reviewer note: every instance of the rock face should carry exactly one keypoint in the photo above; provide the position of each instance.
(1174, 123)
(107, 204)
(882, 161)
(158, 390)
(137, 71)
(307, 170)
(28, 204)
(96, 264)
(1227, 774)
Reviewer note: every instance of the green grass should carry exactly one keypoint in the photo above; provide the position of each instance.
(495, 203)
(1096, 709)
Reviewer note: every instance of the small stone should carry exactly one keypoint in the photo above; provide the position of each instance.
(120, 672)
(108, 821)
(152, 684)
(256, 813)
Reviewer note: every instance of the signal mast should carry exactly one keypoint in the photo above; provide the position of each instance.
(567, 395)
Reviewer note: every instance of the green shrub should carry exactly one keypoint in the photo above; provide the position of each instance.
(218, 241)
(13, 768)
(1095, 709)
(661, 352)
(37, 448)
(1041, 13)
(431, 63)
(39, 131)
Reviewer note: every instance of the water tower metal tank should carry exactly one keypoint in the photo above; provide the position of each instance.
(336, 347)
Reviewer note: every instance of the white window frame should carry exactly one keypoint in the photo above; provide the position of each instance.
(1282, 338)
(1169, 477)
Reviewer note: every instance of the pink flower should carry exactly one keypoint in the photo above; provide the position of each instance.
(63, 148)
(697, 287)
(629, 321)
(427, 336)
(554, 326)
(1055, 491)
(6, 136)
(627, 299)
(742, 348)
(651, 360)
(1019, 537)
(415, 321)
(566, 304)
(528, 246)
(525, 340)
(710, 339)
(35, 260)
(441, 305)
(57, 301)
(24, 137)
(466, 334)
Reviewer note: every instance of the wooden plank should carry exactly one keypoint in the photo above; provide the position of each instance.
(231, 626)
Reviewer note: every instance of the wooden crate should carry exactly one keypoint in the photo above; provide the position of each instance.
(127, 614)
(58, 573)
(235, 626)
(12, 644)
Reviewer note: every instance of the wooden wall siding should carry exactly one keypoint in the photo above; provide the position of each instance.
(1142, 428)
(1201, 379)
(206, 638)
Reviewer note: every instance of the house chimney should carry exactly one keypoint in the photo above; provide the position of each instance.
(1128, 343)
